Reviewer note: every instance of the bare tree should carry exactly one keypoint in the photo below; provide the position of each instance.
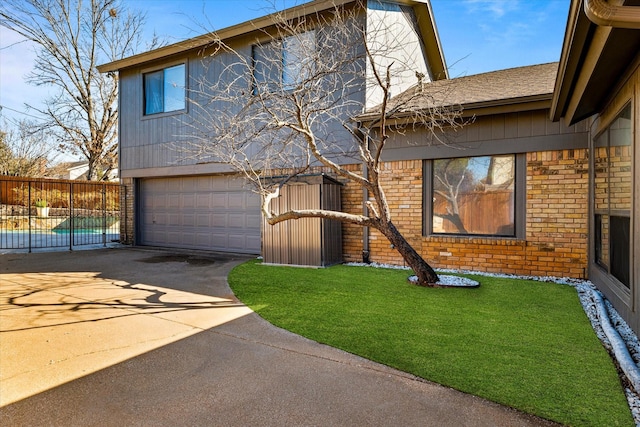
(289, 107)
(72, 37)
(24, 151)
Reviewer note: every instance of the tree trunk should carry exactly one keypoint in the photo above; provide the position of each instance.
(457, 222)
(426, 275)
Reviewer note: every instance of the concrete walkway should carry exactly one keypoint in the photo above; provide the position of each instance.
(138, 337)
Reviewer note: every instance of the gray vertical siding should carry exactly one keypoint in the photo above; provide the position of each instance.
(164, 140)
(508, 133)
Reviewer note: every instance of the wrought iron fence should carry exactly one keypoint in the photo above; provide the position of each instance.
(42, 213)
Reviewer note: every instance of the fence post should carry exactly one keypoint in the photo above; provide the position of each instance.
(29, 210)
(104, 215)
(70, 216)
(126, 216)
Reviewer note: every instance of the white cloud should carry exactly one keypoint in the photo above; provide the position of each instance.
(497, 8)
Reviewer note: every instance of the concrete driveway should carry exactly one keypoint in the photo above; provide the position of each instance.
(141, 337)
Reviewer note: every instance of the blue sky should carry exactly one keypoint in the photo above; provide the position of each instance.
(476, 35)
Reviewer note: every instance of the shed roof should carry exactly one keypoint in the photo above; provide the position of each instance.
(487, 91)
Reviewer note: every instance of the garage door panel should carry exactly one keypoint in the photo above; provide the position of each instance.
(188, 201)
(187, 220)
(236, 201)
(173, 201)
(184, 238)
(203, 220)
(175, 220)
(214, 213)
(235, 184)
(171, 185)
(237, 222)
(219, 199)
(159, 219)
(203, 239)
(254, 244)
(237, 241)
(253, 201)
(219, 220)
(253, 221)
(219, 239)
(200, 185)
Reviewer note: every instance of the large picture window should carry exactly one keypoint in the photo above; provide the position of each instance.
(164, 90)
(474, 196)
(613, 197)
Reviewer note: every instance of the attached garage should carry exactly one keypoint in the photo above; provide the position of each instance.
(199, 212)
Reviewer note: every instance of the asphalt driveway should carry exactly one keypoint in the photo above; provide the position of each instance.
(139, 337)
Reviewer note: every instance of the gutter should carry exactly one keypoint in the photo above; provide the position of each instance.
(479, 108)
(601, 13)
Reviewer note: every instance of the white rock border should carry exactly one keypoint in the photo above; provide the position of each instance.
(614, 333)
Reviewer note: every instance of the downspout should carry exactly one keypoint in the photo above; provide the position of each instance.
(365, 210)
(601, 13)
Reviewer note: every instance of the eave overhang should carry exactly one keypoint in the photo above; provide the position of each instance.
(475, 109)
(593, 60)
(422, 9)
(431, 40)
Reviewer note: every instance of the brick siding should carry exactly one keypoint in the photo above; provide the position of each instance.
(556, 222)
(127, 211)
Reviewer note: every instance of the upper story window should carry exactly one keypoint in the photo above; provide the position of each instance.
(164, 90)
(283, 64)
(473, 196)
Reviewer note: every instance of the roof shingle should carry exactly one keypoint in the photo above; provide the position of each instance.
(496, 87)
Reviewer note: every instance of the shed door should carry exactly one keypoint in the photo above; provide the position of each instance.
(204, 212)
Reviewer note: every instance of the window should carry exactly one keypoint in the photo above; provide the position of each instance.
(473, 196)
(283, 64)
(164, 90)
(613, 197)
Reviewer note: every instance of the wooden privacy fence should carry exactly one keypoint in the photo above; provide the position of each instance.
(486, 213)
(39, 213)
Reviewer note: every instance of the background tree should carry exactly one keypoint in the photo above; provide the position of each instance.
(24, 151)
(289, 106)
(72, 38)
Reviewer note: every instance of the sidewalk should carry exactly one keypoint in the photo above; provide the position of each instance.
(139, 337)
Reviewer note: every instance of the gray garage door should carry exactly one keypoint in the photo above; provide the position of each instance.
(205, 212)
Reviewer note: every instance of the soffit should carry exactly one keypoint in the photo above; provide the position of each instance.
(593, 61)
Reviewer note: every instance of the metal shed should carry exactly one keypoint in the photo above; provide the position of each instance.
(312, 242)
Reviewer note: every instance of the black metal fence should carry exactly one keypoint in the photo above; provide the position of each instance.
(42, 213)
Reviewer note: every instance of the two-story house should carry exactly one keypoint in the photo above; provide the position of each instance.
(506, 193)
(177, 199)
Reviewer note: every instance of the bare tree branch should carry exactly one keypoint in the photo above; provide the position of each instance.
(24, 151)
(73, 37)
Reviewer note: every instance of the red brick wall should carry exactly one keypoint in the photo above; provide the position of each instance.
(556, 222)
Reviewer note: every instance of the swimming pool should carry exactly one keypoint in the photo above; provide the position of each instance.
(22, 239)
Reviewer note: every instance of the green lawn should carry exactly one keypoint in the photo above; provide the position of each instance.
(521, 343)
